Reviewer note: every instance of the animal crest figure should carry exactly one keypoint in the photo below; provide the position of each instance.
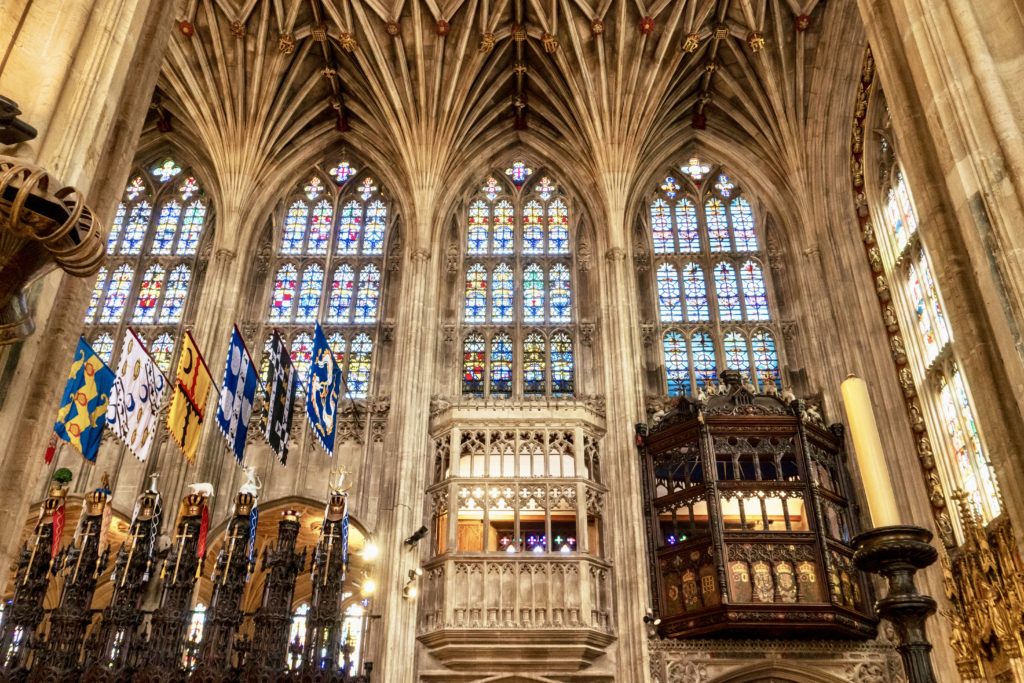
(203, 489)
(252, 484)
(337, 480)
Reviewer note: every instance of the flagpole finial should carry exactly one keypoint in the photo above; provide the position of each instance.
(153, 476)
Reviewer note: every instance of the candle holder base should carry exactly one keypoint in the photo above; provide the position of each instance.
(897, 553)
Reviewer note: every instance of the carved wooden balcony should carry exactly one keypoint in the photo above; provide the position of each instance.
(749, 521)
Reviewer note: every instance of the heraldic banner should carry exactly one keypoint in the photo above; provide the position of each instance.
(323, 391)
(188, 404)
(237, 395)
(281, 386)
(83, 409)
(137, 397)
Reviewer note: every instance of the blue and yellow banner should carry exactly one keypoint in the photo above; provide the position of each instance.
(83, 410)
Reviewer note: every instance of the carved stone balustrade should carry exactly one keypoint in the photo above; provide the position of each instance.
(749, 521)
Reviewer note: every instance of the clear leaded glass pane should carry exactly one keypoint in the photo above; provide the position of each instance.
(736, 357)
(727, 292)
(670, 306)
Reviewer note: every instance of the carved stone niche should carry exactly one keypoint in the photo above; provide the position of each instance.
(748, 520)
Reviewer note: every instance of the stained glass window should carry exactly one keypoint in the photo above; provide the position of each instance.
(755, 296)
(302, 358)
(282, 301)
(670, 187)
(320, 228)
(349, 227)
(167, 170)
(736, 356)
(743, 225)
(491, 189)
(518, 172)
(533, 293)
(473, 364)
(117, 294)
(766, 359)
(686, 225)
(478, 228)
(724, 185)
(115, 228)
(369, 292)
(702, 351)
(265, 362)
(727, 292)
(545, 188)
(561, 364)
(340, 303)
(501, 365)
(337, 343)
(191, 229)
(360, 356)
(162, 351)
(661, 226)
(309, 294)
(476, 294)
(367, 188)
(502, 294)
(176, 295)
(533, 229)
(313, 188)
(533, 363)
(695, 168)
(103, 345)
(504, 240)
(297, 632)
(166, 226)
(718, 225)
(135, 231)
(561, 294)
(677, 364)
(695, 291)
(558, 227)
(136, 187)
(670, 306)
(376, 215)
(97, 294)
(189, 187)
(924, 320)
(149, 295)
(294, 238)
(342, 172)
(935, 306)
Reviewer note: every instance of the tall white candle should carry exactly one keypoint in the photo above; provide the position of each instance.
(874, 473)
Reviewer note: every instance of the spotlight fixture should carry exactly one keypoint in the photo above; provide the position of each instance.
(370, 552)
(416, 537)
(368, 586)
(12, 129)
(650, 619)
(411, 589)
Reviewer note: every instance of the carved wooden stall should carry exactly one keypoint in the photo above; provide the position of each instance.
(749, 519)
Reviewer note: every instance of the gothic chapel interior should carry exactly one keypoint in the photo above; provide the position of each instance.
(508, 341)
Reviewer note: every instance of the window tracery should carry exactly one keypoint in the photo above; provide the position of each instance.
(711, 295)
(152, 257)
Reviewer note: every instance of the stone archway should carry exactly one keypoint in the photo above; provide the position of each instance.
(776, 672)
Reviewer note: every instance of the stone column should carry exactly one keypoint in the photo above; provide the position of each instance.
(82, 72)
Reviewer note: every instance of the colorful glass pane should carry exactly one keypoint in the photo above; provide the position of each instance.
(559, 287)
(766, 360)
(670, 305)
(313, 188)
(309, 293)
(932, 293)
(360, 357)
(265, 361)
(349, 228)
(518, 172)
(167, 170)
(677, 364)
(755, 297)
(476, 294)
(962, 456)
(136, 187)
(695, 293)
(545, 188)
(670, 187)
(188, 187)
(477, 233)
(166, 226)
(903, 196)
(149, 294)
(342, 172)
(115, 228)
(283, 300)
(117, 294)
(695, 168)
(702, 351)
(337, 343)
(661, 227)
(561, 364)
(191, 229)
(97, 294)
(718, 225)
(727, 292)
(743, 225)
(302, 358)
(176, 295)
(293, 239)
(162, 350)
(736, 356)
(103, 345)
(367, 188)
(915, 288)
(558, 227)
(504, 240)
(533, 293)
(473, 365)
(135, 231)
(320, 228)
(373, 240)
(502, 289)
(501, 365)
(724, 185)
(369, 293)
(340, 301)
(989, 487)
(897, 230)
(533, 229)
(687, 227)
(491, 189)
(533, 363)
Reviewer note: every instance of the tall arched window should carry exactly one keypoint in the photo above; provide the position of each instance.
(518, 303)
(712, 300)
(150, 270)
(329, 268)
(931, 349)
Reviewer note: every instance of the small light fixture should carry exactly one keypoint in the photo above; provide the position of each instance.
(650, 619)
(368, 587)
(416, 537)
(371, 551)
(411, 589)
